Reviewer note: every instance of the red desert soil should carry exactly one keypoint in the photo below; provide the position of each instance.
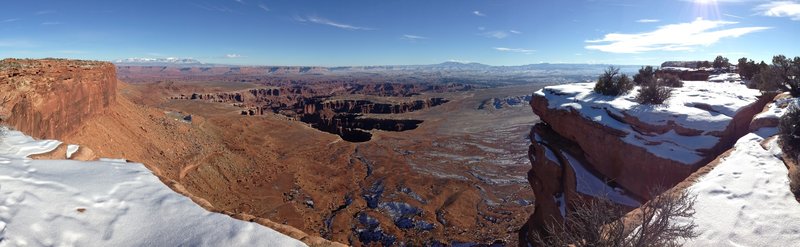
(464, 169)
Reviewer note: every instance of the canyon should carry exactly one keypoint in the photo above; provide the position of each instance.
(436, 169)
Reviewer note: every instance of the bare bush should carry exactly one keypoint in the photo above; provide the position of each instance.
(611, 82)
(653, 94)
(601, 223)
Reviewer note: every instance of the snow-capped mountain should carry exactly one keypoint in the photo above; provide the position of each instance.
(170, 61)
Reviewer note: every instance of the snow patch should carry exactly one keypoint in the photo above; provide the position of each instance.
(72, 149)
(589, 184)
(745, 200)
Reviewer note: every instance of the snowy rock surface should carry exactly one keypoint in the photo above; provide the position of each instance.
(105, 203)
(701, 107)
(745, 200)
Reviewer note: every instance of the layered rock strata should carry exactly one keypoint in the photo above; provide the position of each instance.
(51, 98)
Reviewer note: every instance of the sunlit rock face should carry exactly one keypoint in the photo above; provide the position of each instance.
(51, 98)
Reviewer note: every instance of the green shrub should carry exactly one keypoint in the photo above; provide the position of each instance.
(646, 75)
(611, 82)
(768, 80)
(653, 94)
(670, 80)
(789, 132)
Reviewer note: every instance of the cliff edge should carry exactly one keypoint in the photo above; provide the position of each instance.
(630, 148)
(51, 98)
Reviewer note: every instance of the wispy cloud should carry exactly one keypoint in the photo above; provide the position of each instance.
(732, 16)
(327, 22)
(263, 7)
(674, 37)
(516, 50)
(412, 37)
(496, 34)
(234, 55)
(239, 1)
(213, 8)
(789, 9)
(648, 20)
(9, 20)
(478, 13)
(50, 23)
(499, 34)
(45, 12)
(15, 43)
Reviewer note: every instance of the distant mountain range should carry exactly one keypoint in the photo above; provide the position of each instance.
(446, 66)
(171, 61)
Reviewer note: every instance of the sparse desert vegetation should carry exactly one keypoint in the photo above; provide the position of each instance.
(613, 83)
(601, 222)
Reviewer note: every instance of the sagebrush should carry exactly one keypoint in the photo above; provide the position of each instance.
(670, 80)
(789, 132)
(611, 82)
(653, 94)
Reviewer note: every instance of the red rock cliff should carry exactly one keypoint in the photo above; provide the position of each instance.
(631, 148)
(50, 98)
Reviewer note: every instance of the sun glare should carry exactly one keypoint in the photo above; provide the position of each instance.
(705, 1)
(706, 9)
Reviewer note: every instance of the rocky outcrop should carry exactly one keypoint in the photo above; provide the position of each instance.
(51, 98)
(627, 145)
(687, 74)
(632, 149)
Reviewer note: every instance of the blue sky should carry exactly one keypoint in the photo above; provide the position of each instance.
(389, 32)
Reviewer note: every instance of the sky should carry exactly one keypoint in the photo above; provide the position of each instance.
(400, 32)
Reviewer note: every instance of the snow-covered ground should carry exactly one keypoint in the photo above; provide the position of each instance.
(745, 200)
(698, 105)
(778, 108)
(105, 203)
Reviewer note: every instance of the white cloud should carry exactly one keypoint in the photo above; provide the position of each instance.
(411, 37)
(496, 34)
(264, 7)
(233, 56)
(789, 9)
(674, 37)
(324, 21)
(478, 13)
(516, 50)
(45, 12)
(515, 32)
(9, 20)
(14, 43)
(648, 20)
(732, 16)
(49, 23)
(240, 1)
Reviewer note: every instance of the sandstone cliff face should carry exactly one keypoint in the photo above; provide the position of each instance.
(51, 98)
(630, 148)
